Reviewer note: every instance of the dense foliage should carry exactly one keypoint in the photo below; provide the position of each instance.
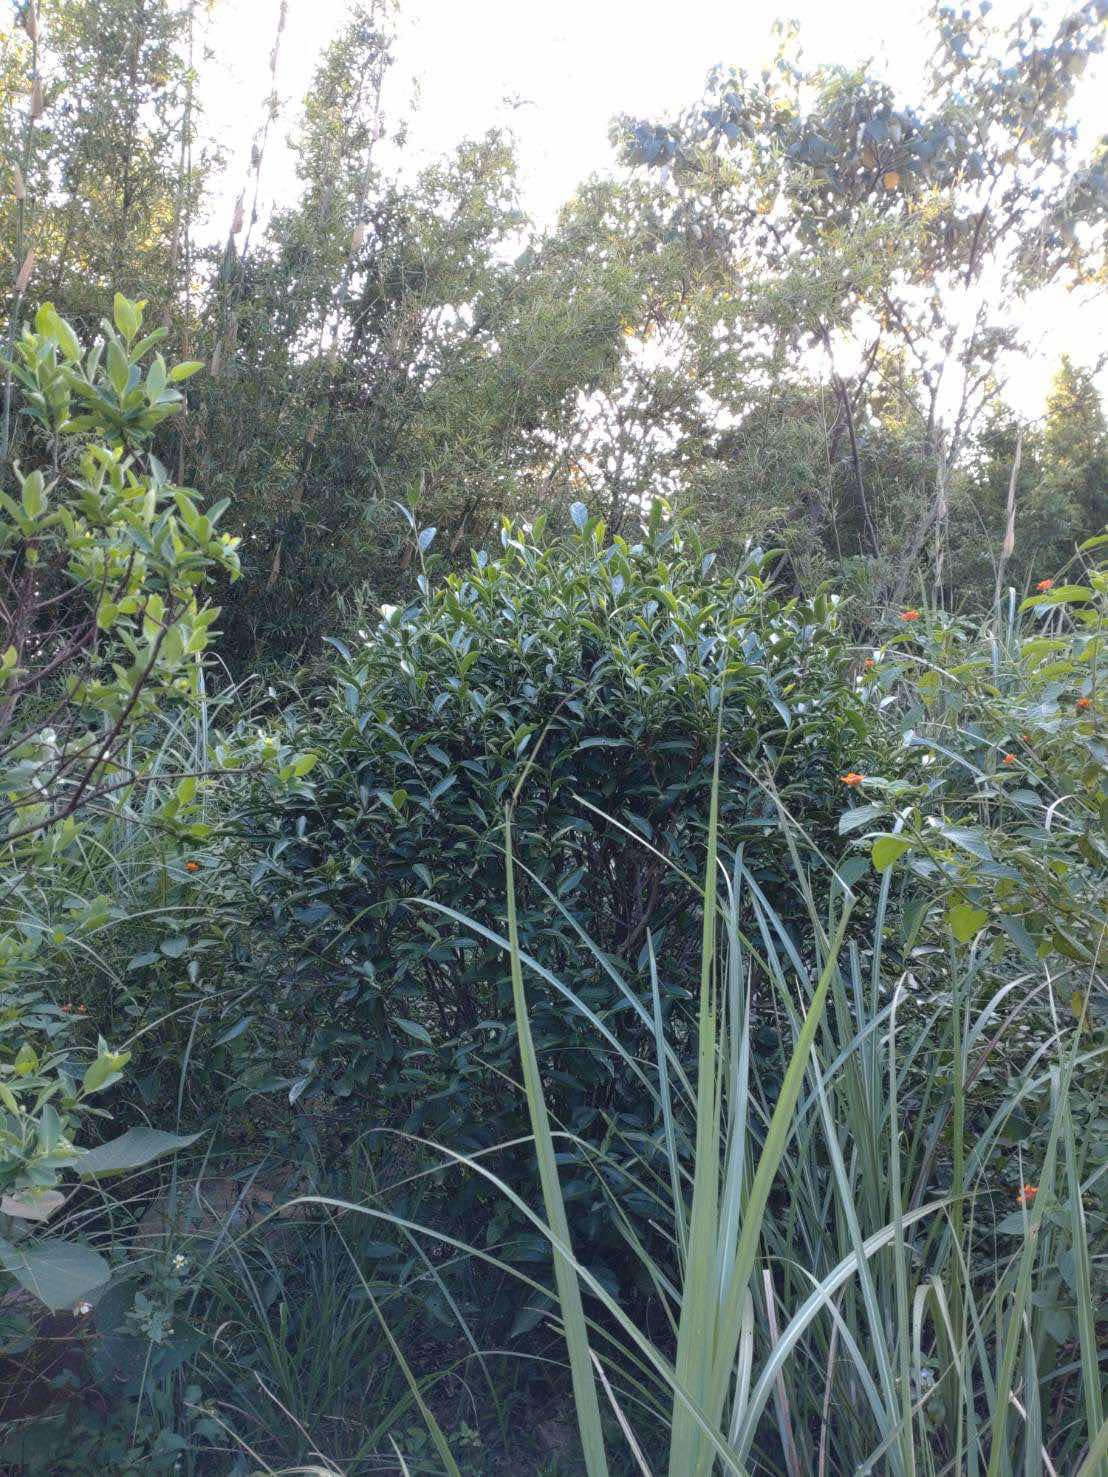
(104, 564)
(581, 679)
(553, 799)
(794, 308)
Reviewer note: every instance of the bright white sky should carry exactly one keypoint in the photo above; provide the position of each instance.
(575, 63)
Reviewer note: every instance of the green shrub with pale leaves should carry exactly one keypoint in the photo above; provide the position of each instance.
(103, 568)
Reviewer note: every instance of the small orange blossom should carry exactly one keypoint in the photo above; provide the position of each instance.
(192, 866)
(909, 615)
(1026, 1194)
(1009, 759)
(853, 779)
(1044, 585)
(1083, 703)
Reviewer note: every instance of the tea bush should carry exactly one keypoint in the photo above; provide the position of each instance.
(583, 675)
(918, 1168)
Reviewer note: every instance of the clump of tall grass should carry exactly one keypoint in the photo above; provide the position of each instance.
(843, 1292)
(841, 1280)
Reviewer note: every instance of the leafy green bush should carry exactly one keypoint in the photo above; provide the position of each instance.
(1004, 817)
(994, 854)
(103, 564)
(848, 1286)
(585, 674)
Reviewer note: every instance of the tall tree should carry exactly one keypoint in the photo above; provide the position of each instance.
(870, 226)
(1075, 446)
(384, 341)
(109, 187)
(97, 126)
(1044, 484)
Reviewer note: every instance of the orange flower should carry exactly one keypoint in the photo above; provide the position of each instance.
(192, 866)
(909, 615)
(1044, 585)
(1026, 737)
(853, 779)
(1009, 759)
(869, 662)
(83, 1009)
(1026, 1194)
(1083, 703)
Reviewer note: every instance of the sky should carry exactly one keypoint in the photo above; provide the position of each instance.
(556, 71)
(568, 64)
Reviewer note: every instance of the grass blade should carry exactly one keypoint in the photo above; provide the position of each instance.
(569, 1291)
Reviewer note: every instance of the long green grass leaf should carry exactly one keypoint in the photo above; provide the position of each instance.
(569, 1292)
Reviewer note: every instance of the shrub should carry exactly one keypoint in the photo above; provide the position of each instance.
(103, 560)
(1006, 813)
(839, 1297)
(585, 674)
(102, 567)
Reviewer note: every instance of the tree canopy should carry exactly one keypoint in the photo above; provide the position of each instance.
(791, 308)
